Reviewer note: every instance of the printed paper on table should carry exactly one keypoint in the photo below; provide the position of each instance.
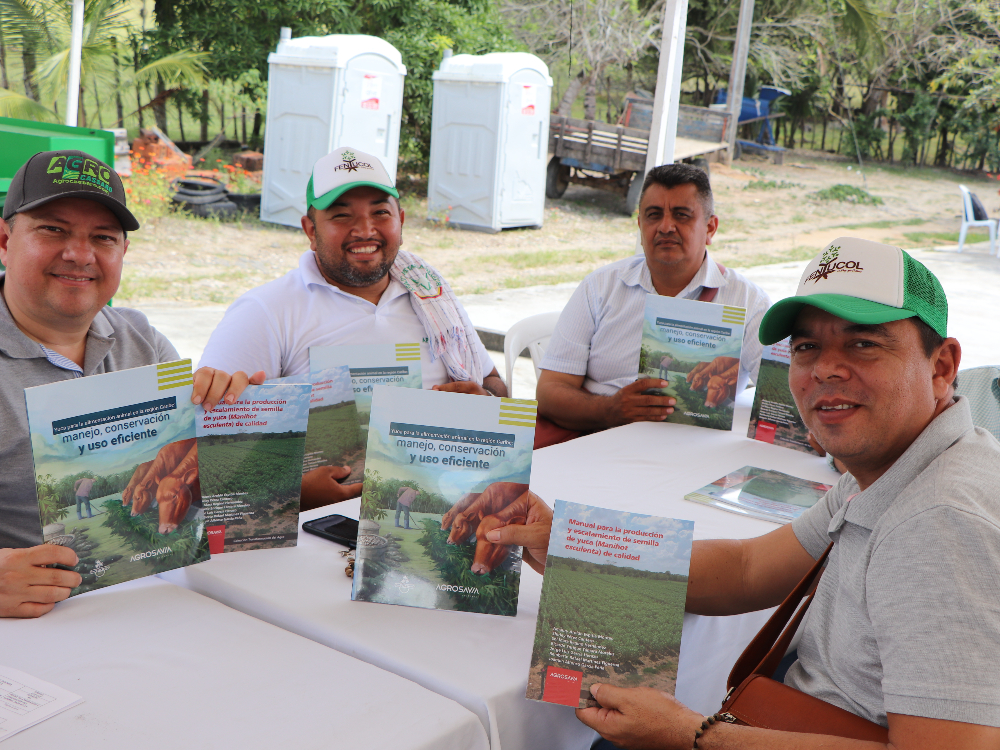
(612, 604)
(442, 470)
(116, 471)
(774, 417)
(26, 701)
(334, 436)
(695, 346)
(761, 493)
(250, 459)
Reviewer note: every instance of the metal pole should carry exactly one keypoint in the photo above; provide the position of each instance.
(738, 75)
(663, 131)
(75, 51)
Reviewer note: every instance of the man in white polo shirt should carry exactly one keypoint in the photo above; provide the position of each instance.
(588, 379)
(353, 286)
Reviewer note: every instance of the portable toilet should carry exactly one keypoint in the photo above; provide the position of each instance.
(489, 141)
(324, 93)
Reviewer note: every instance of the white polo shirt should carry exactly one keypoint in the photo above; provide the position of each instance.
(271, 328)
(598, 333)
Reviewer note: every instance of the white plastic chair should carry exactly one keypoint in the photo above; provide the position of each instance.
(969, 220)
(532, 333)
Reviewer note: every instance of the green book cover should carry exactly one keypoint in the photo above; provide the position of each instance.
(774, 417)
(695, 346)
(250, 459)
(612, 604)
(442, 470)
(761, 493)
(116, 471)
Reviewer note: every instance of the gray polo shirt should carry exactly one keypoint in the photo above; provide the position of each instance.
(118, 339)
(906, 618)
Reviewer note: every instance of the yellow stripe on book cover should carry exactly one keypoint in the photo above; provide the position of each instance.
(735, 315)
(173, 375)
(518, 412)
(407, 352)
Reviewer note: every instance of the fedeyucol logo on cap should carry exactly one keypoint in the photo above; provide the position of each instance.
(856, 268)
(830, 263)
(77, 170)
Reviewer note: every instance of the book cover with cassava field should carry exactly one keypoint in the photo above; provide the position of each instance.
(761, 493)
(334, 436)
(116, 471)
(612, 604)
(774, 417)
(371, 365)
(443, 469)
(250, 464)
(695, 346)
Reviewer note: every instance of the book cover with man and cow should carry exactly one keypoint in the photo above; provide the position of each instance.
(774, 417)
(370, 365)
(612, 604)
(334, 436)
(442, 470)
(250, 456)
(116, 471)
(695, 346)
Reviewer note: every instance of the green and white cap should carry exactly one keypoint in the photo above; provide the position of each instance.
(863, 282)
(342, 170)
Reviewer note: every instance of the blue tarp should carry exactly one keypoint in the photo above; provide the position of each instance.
(759, 107)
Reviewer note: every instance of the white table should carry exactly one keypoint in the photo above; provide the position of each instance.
(162, 667)
(648, 468)
(479, 661)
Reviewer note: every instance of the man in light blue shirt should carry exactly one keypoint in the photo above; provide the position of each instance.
(588, 379)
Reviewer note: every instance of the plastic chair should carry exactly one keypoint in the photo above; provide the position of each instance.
(969, 220)
(532, 333)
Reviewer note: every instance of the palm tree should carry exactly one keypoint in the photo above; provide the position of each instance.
(42, 29)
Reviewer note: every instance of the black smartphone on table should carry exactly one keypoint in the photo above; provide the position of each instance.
(336, 528)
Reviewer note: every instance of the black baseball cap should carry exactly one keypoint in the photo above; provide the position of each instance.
(51, 175)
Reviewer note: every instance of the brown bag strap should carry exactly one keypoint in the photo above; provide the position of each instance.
(708, 292)
(768, 647)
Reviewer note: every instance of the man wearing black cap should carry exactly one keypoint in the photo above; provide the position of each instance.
(63, 240)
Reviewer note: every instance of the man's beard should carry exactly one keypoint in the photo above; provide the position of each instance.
(343, 272)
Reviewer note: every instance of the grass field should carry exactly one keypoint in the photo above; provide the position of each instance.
(334, 437)
(267, 467)
(636, 623)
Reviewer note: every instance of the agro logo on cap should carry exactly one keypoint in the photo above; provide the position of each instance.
(78, 170)
(351, 164)
(829, 263)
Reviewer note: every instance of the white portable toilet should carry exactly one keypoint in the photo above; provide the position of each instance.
(324, 93)
(489, 141)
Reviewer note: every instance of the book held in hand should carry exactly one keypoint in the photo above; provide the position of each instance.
(442, 470)
(334, 436)
(250, 458)
(612, 604)
(371, 365)
(116, 471)
(761, 493)
(774, 417)
(695, 346)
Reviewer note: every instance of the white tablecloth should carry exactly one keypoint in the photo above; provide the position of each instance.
(648, 468)
(162, 667)
(480, 661)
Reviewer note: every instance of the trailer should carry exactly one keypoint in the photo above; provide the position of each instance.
(613, 157)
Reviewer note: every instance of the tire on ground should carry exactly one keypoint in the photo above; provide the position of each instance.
(556, 178)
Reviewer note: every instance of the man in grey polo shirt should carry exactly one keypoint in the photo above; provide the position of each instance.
(63, 240)
(905, 627)
(588, 380)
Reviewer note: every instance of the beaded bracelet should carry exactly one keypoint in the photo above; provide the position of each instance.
(709, 721)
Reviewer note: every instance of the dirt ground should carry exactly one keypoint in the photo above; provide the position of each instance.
(767, 213)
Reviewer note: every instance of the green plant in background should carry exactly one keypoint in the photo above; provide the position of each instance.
(50, 507)
(371, 497)
(848, 194)
(770, 185)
